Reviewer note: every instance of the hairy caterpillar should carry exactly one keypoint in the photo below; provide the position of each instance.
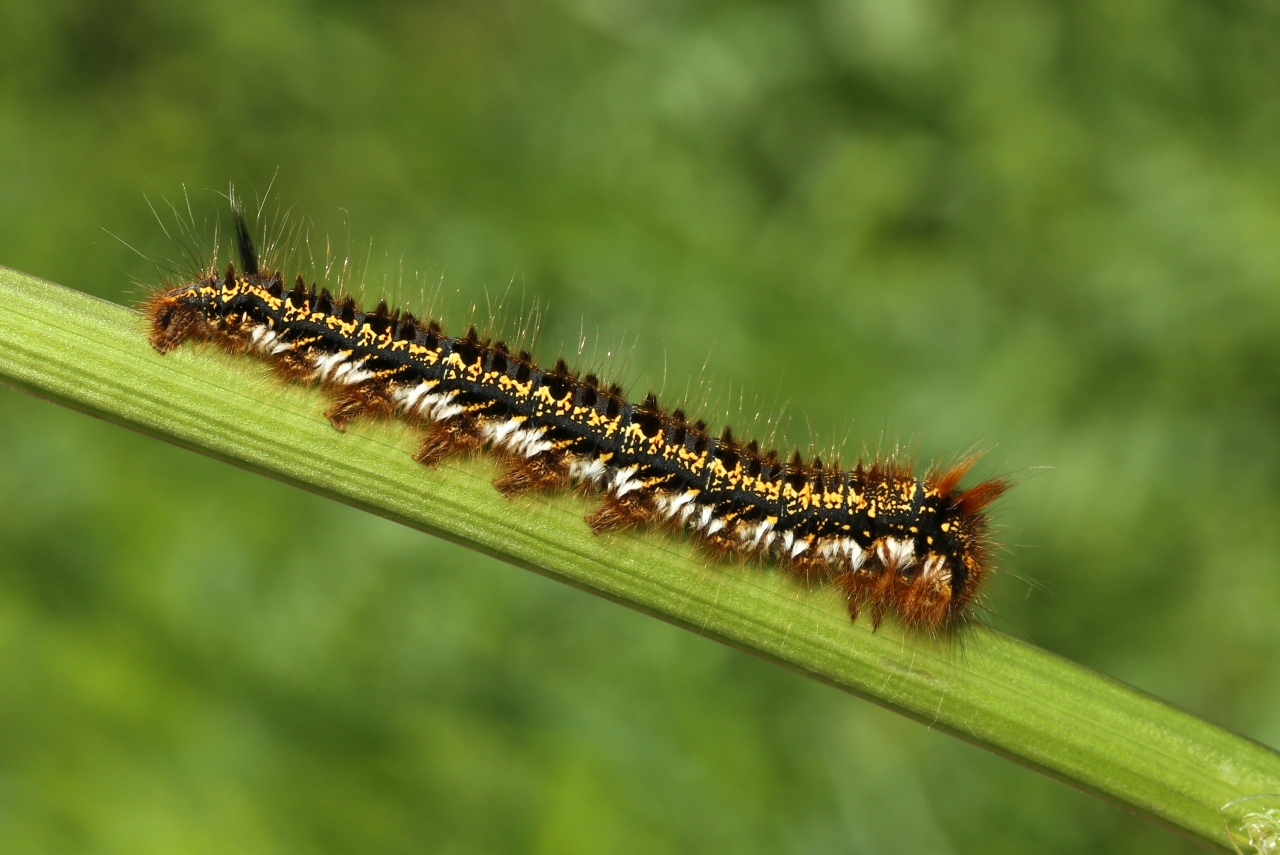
(891, 542)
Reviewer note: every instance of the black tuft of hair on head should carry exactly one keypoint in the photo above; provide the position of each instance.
(244, 243)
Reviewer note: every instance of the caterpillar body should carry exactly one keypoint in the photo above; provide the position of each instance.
(891, 542)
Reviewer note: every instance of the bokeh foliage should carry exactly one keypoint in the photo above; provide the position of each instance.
(1046, 229)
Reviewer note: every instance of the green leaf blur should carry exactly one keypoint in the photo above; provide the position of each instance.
(1049, 230)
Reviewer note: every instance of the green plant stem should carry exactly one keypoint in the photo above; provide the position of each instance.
(1009, 697)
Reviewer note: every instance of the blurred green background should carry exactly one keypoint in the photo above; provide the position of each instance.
(1051, 230)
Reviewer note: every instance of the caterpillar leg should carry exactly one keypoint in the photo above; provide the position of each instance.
(447, 438)
(293, 366)
(541, 472)
(362, 399)
(620, 512)
(809, 568)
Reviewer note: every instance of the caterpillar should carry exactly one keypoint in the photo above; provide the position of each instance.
(890, 542)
